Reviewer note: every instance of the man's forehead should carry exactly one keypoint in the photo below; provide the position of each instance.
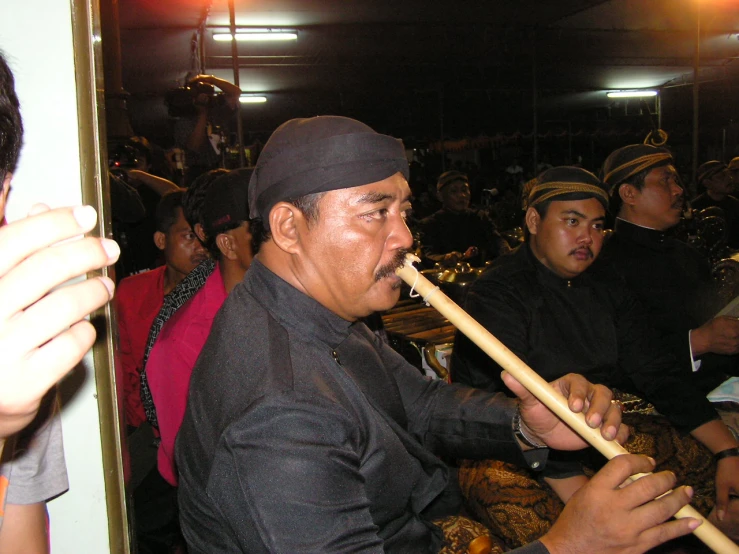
(392, 188)
(180, 224)
(664, 169)
(587, 207)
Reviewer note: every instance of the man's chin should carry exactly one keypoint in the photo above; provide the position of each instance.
(390, 295)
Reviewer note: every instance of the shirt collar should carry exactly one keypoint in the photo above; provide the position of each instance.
(294, 309)
(645, 236)
(546, 276)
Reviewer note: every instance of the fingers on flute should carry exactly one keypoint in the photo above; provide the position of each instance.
(576, 389)
(620, 468)
(668, 531)
(44, 227)
(52, 315)
(50, 267)
(654, 515)
(623, 434)
(599, 409)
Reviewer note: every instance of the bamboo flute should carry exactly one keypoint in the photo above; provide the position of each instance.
(431, 294)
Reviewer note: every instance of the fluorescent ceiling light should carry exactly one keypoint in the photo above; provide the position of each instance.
(256, 35)
(252, 99)
(631, 93)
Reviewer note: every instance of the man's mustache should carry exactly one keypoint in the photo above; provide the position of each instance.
(583, 248)
(390, 267)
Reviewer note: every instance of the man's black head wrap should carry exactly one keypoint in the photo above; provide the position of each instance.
(449, 177)
(565, 183)
(708, 170)
(321, 154)
(626, 162)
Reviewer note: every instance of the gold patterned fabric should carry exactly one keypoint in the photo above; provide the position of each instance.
(547, 191)
(460, 531)
(518, 508)
(564, 183)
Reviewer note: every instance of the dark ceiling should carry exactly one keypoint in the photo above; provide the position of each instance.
(417, 68)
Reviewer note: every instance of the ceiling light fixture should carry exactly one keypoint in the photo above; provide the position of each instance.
(255, 35)
(631, 93)
(252, 99)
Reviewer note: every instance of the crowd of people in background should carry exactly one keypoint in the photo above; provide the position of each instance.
(596, 272)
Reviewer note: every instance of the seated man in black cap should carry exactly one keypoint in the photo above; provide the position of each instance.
(305, 433)
(456, 233)
(225, 232)
(670, 278)
(559, 313)
(716, 178)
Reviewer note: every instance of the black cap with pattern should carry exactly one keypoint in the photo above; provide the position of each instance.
(708, 170)
(321, 154)
(565, 183)
(630, 160)
(449, 177)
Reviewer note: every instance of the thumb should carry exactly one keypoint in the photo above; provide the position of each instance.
(527, 399)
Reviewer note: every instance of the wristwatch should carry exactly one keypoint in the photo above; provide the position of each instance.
(519, 431)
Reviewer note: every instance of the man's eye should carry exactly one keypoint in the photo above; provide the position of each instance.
(377, 214)
(599, 227)
(572, 222)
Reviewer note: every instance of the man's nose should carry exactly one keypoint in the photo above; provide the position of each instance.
(586, 237)
(400, 235)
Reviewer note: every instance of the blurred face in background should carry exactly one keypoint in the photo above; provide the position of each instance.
(455, 197)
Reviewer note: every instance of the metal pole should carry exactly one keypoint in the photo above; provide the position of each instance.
(441, 128)
(696, 87)
(534, 103)
(569, 143)
(235, 63)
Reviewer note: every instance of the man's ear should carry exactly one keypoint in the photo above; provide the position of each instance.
(285, 222)
(225, 244)
(160, 239)
(199, 232)
(627, 193)
(532, 219)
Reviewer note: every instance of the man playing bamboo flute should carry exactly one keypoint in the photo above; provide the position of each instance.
(559, 311)
(305, 433)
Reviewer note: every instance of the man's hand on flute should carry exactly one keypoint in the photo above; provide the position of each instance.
(582, 396)
(610, 514)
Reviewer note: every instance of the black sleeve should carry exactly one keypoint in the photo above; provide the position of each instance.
(458, 421)
(501, 311)
(653, 368)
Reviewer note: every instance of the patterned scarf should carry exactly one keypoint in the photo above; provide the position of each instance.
(186, 289)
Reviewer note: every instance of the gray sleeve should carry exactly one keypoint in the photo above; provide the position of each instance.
(37, 471)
